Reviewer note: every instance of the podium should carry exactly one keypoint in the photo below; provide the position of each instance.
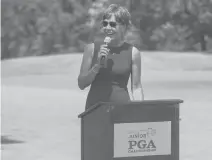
(142, 130)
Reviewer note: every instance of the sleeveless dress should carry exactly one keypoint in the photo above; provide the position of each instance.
(110, 84)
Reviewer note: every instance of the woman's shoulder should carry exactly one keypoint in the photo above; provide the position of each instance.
(88, 47)
(91, 48)
(136, 53)
(131, 45)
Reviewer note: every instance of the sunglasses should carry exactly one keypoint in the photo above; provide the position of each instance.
(112, 24)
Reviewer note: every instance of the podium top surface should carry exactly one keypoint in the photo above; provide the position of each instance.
(144, 102)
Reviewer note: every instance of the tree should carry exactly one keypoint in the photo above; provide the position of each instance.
(196, 15)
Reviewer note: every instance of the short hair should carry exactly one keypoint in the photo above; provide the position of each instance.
(121, 14)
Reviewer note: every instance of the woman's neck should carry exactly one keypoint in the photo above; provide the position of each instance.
(117, 43)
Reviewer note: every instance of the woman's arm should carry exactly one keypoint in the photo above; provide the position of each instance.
(136, 87)
(87, 74)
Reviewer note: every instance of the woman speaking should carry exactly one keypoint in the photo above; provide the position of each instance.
(107, 66)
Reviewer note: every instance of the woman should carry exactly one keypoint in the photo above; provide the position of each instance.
(109, 84)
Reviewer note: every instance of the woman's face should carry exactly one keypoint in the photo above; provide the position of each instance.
(113, 29)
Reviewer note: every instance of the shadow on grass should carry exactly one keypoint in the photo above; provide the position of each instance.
(7, 140)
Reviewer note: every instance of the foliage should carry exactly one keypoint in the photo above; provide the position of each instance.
(36, 27)
(176, 25)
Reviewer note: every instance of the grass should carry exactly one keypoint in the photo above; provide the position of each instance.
(41, 102)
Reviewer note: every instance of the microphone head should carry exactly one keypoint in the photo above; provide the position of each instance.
(107, 40)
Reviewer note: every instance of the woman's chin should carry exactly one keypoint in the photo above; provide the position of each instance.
(113, 38)
(109, 35)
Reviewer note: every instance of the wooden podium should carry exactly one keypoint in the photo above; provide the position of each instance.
(147, 130)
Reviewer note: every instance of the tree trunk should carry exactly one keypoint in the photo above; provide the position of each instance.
(203, 42)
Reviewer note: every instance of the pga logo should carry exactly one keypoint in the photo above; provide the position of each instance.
(141, 140)
(141, 144)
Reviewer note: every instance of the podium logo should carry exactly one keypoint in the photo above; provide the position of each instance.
(141, 141)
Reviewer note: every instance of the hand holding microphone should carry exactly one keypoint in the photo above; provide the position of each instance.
(104, 51)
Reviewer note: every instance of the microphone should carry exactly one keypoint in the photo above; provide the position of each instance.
(107, 40)
(103, 58)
